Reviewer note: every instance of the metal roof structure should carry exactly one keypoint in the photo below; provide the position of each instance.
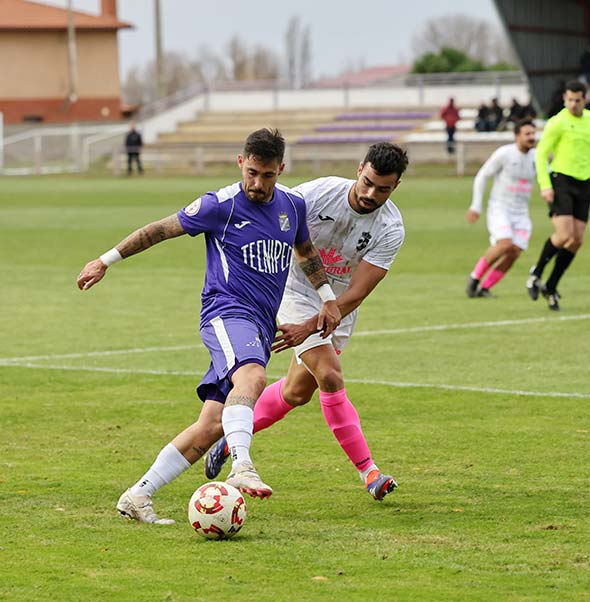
(549, 37)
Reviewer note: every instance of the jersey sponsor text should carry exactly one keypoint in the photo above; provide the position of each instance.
(267, 256)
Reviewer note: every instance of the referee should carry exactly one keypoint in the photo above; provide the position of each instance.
(566, 189)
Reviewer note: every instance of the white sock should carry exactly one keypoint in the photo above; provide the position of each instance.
(363, 474)
(238, 424)
(169, 464)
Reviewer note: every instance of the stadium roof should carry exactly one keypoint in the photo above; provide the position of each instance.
(549, 37)
(23, 15)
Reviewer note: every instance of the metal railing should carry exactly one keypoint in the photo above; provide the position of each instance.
(496, 79)
(76, 147)
(62, 149)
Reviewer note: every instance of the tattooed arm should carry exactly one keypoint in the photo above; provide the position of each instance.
(138, 241)
(150, 235)
(310, 262)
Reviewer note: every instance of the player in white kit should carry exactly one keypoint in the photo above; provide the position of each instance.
(358, 233)
(513, 168)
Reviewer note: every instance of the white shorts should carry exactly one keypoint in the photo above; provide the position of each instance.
(502, 223)
(295, 309)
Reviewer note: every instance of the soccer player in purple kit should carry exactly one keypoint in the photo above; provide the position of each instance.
(358, 232)
(251, 228)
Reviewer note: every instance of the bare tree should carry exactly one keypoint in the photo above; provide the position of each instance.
(178, 74)
(260, 63)
(133, 87)
(298, 53)
(239, 59)
(265, 64)
(305, 57)
(291, 50)
(477, 38)
(209, 66)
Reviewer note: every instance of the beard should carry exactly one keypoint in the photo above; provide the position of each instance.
(257, 196)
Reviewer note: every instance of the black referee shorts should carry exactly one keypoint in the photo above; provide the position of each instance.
(572, 197)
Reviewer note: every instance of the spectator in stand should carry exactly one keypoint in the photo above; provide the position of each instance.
(481, 122)
(450, 115)
(556, 101)
(529, 111)
(495, 117)
(516, 112)
(133, 144)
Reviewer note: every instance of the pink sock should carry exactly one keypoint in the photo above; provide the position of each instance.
(344, 421)
(493, 278)
(270, 407)
(481, 267)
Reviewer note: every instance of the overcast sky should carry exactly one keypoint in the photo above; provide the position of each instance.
(343, 32)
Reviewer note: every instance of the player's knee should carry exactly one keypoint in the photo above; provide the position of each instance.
(514, 252)
(295, 395)
(504, 246)
(331, 380)
(250, 380)
(573, 243)
(258, 382)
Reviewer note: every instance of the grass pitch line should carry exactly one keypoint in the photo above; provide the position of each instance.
(469, 388)
(6, 361)
(387, 383)
(34, 366)
(62, 356)
(467, 325)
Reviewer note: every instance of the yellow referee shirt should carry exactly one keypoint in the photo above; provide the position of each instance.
(568, 138)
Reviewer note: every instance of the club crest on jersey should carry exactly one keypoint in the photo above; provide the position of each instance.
(284, 222)
(363, 241)
(193, 208)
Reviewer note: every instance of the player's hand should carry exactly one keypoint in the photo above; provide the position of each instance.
(471, 216)
(92, 273)
(328, 318)
(548, 194)
(292, 335)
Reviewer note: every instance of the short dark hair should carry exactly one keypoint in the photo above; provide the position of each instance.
(520, 124)
(266, 145)
(575, 85)
(387, 158)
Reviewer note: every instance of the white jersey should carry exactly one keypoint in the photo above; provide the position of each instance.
(344, 237)
(514, 174)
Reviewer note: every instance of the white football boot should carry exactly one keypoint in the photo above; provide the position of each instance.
(243, 476)
(140, 508)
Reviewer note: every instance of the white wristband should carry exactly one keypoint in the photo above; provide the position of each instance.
(326, 293)
(111, 257)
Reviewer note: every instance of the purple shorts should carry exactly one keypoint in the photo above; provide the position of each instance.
(232, 342)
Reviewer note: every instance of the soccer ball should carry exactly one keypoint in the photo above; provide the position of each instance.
(217, 510)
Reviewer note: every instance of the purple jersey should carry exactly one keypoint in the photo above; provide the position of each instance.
(249, 248)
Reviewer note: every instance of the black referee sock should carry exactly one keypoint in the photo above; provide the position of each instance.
(562, 262)
(549, 250)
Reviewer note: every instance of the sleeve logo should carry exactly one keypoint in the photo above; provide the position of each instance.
(193, 208)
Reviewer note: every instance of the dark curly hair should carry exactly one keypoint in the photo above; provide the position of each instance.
(266, 145)
(387, 158)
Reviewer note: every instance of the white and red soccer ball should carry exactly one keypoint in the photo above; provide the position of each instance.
(217, 510)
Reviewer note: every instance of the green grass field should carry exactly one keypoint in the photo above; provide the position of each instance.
(478, 406)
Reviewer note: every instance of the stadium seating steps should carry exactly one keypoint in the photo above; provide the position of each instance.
(317, 126)
(323, 133)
